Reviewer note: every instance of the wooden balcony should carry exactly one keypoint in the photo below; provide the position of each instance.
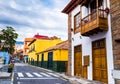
(94, 23)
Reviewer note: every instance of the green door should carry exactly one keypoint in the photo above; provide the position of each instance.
(42, 61)
(50, 60)
(37, 60)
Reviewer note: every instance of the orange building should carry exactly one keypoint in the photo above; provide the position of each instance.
(26, 48)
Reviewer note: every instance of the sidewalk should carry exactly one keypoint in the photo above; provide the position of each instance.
(5, 77)
(73, 80)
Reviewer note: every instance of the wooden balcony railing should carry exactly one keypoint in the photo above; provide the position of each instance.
(94, 23)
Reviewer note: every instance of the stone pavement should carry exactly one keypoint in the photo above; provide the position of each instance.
(5, 77)
(6, 81)
(73, 80)
(1, 65)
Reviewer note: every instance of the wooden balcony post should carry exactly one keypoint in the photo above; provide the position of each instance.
(106, 4)
(97, 10)
(81, 16)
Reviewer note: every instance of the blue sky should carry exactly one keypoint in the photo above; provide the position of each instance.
(29, 17)
(19, 43)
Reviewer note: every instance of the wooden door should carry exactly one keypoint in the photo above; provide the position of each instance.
(84, 73)
(99, 61)
(78, 61)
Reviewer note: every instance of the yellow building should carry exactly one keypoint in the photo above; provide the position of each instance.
(55, 58)
(38, 45)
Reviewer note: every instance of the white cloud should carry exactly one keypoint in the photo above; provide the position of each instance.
(30, 17)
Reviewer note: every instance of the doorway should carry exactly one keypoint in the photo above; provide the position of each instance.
(99, 61)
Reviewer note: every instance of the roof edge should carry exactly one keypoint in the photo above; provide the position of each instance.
(31, 42)
(71, 5)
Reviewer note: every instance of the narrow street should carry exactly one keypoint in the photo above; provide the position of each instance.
(25, 74)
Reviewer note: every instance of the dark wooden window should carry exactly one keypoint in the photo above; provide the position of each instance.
(100, 3)
(98, 44)
(93, 5)
(77, 20)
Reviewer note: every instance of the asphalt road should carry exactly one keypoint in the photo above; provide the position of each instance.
(24, 74)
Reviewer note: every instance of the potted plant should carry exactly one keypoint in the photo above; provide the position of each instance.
(10, 67)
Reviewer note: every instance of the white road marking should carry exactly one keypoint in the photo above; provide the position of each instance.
(18, 82)
(36, 78)
(37, 74)
(53, 74)
(29, 75)
(20, 75)
(45, 74)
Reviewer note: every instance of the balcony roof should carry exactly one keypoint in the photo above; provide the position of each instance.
(71, 5)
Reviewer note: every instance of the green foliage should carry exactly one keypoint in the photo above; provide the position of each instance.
(10, 67)
(10, 36)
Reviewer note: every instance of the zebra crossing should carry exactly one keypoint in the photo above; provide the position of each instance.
(35, 75)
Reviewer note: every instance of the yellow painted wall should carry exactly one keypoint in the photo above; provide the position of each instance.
(46, 56)
(41, 45)
(60, 55)
(40, 55)
(32, 55)
(64, 55)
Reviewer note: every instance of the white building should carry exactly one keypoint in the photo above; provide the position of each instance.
(90, 41)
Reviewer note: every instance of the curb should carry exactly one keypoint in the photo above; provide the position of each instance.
(46, 70)
(12, 78)
(67, 78)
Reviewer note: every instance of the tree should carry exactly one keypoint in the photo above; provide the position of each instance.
(10, 36)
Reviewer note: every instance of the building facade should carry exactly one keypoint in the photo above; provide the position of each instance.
(4, 58)
(90, 40)
(55, 58)
(18, 53)
(115, 22)
(26, 48)
(38, 45)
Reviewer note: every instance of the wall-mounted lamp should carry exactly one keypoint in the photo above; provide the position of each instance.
(107, 10)
(71, 29)
(80, 37)
(72, 39)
